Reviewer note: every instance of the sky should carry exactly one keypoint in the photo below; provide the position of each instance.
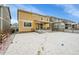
(64, 11)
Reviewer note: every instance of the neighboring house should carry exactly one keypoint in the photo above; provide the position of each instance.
(29, 21)
(59, 24)
(5, 19)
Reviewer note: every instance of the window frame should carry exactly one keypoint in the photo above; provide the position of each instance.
(26, 25)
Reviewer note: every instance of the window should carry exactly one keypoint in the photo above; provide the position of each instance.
(27, 24)
(41, 18)
(62, 26)
(47, 19)
(51, 19)
(56, 25)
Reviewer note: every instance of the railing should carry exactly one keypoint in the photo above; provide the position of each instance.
(72, 31)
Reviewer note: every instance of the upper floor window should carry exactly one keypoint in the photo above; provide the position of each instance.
(41, 18)
(47, 19)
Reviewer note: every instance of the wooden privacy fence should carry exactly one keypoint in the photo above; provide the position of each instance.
(4, 37)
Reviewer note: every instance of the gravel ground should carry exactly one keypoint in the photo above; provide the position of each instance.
(53, 43)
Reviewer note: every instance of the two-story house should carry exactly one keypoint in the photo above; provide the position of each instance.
(29, 21)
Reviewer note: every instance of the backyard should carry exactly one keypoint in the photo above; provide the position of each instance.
(47, 43)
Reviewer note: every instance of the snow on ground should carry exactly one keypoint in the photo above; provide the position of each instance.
(48, 43)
